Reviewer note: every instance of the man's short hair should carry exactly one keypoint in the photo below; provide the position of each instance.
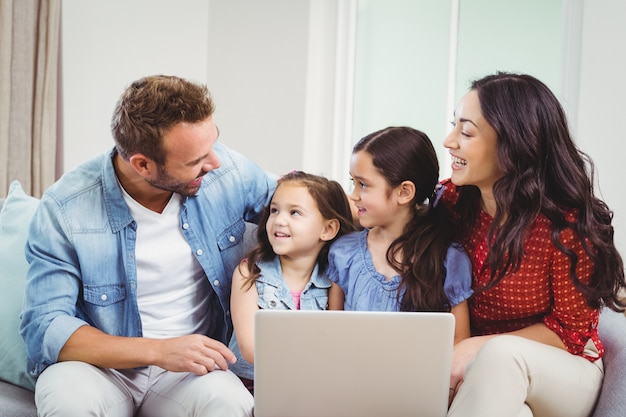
(150, 107)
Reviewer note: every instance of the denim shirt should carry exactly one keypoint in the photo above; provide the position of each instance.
(81, 251)
(274, 294)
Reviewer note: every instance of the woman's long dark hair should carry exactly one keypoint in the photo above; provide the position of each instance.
(332, 203)
(544, 173)
(405, 154)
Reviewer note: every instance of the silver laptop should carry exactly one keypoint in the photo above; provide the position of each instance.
(349, 363)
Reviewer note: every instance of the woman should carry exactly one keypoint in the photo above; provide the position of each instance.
(543, 257)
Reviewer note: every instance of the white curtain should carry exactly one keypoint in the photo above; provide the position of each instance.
(30, 102)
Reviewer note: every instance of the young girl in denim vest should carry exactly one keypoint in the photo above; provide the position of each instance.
(286, 269)
(404, 259)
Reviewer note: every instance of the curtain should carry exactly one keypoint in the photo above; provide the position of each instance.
(30, 101)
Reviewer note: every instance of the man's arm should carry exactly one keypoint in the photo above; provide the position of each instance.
(193, 353)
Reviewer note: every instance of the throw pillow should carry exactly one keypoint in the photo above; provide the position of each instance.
(15, 218)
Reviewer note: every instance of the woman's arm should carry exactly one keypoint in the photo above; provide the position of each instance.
(466, 350)
(243, 306)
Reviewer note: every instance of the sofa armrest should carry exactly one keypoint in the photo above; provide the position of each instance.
(612, 330)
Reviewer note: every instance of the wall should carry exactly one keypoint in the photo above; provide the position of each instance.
(496, 35)
(402, 67)
(257, 73)
(600, 129)
(108, 44)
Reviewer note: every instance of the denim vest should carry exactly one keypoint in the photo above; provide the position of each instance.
(275, 295)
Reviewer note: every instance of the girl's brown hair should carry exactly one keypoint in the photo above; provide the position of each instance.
(332, 203)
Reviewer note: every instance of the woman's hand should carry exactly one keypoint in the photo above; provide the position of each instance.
(464, 352)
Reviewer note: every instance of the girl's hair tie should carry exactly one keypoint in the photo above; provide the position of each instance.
(439, 189)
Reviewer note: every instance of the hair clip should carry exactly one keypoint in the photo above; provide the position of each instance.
(439, 189)
(290, 172)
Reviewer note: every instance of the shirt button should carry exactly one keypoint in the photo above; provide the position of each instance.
(185, 226)
(273, 303)
(216, 282)
(103, 297)
(231, 238)
(199, 252)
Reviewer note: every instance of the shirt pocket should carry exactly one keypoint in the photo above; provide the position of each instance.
(317, 301)
(269, 299)
(104, 295)
(232, 235)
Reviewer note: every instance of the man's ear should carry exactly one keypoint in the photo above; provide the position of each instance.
(143, 165)
(406, 192)
(330, 230)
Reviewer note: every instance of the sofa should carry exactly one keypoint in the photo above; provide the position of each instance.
(16, 386)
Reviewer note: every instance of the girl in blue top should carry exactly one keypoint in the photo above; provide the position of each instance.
(286, 269)
(404, 259)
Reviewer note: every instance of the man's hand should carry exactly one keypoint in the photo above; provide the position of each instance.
(194, 353)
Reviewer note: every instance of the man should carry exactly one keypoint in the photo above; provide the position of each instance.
(131, 255)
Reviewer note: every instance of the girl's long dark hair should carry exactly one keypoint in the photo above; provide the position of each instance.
(544, 173)
(406, 154)
(332, 203)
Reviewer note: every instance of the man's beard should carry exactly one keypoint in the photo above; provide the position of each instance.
(168, 183)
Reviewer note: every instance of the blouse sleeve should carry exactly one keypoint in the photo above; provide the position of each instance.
(570, 317)
(340, 258)
(458, 282)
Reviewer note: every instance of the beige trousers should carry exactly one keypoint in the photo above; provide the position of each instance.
(77, 389)
(515, 377)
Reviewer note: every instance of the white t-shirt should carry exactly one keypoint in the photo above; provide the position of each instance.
(172, 289)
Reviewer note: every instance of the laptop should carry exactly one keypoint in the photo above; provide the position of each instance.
(352, 363)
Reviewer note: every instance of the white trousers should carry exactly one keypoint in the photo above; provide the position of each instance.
(513, 377)
(77, 389)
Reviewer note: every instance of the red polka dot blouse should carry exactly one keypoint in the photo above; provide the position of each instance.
(541, 290)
